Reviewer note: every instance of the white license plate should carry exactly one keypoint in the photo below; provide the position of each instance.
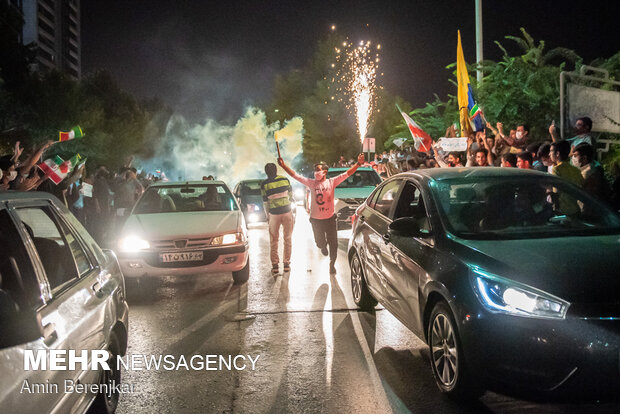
(180, 257)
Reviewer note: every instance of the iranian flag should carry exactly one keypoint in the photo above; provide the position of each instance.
(421, 140)
(57, 169)
(75, 132)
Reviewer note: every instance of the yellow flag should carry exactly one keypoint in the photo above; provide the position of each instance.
(463, 90)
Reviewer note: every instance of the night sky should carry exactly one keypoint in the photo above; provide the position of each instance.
(209, 59)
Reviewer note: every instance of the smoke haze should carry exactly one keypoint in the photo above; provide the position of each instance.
(230, 153)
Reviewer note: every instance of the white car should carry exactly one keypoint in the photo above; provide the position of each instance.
(180, 228)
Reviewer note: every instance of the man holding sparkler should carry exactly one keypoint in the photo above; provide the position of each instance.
(322, 215)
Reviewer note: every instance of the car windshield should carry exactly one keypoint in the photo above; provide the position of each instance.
(359, 179)
(185, 198)
(497, 208)
(249, 188)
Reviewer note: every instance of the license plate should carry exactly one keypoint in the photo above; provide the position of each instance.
(180, 257)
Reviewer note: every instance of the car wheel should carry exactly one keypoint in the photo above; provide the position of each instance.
(446, 355)
(106, 402)
(361, 295)
(242, 275)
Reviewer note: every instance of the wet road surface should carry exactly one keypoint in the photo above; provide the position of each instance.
(316, 352)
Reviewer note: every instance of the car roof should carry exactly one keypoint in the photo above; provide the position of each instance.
(438, 174)
(347, 169)
(253, 180)
(28, 195)
(179, 183)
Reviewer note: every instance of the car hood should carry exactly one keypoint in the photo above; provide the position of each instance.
(353, 192)
(164, 226)
(576, 269)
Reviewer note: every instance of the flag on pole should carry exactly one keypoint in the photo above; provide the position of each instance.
(421, 140)
(470, 115)
(75, 132)
(57, 169)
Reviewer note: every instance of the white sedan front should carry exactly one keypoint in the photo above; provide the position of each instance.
(179, 228)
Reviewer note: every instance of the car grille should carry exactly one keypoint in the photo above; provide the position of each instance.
(181, 244)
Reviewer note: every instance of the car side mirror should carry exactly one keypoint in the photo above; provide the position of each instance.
(407, 227)
(17, 326)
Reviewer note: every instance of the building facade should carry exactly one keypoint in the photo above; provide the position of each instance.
(53, 27)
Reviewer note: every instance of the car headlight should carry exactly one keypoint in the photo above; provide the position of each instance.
(500, 295)
(133, 244)
(225, 239)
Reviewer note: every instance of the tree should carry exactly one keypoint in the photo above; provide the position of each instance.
(525, 88)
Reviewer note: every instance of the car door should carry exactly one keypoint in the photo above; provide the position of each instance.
(375, 227)
(406, 258)
(20, 297)
(74, 315)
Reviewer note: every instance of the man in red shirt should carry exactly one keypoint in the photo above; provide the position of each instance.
(322, 215)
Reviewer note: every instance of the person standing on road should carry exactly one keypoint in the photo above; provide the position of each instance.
(322, 215)
(277, 194)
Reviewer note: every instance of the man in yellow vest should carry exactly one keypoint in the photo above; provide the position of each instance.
(277, 194)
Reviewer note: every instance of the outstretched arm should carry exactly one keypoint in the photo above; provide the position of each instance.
(305, 181)
(360, 162)
(286, 168)
(25, 167)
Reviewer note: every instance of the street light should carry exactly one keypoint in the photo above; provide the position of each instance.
(479, 39)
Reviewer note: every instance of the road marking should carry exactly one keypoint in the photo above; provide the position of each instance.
(372, 369)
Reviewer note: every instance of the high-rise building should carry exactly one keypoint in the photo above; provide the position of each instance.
(53, 26)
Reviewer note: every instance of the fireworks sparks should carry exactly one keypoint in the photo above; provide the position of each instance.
(358, 75)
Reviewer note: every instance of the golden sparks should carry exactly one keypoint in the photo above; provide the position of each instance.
(358, 75)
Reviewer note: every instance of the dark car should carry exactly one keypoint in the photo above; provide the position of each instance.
(59, 292)
(250, 200)
(512, 277)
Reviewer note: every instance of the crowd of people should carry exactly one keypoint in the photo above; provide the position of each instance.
(573, 159)
(99, 199)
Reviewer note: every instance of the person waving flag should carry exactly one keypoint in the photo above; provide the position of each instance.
(470, 115)
(421, 140)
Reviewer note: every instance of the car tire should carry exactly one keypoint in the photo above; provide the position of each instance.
(361, 295)
(242, 275)
(450, 371)
(106, 403)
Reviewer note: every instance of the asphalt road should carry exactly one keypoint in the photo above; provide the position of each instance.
(316, 352)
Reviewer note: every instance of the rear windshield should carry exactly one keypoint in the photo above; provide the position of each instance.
(359, 179)
(175, 199)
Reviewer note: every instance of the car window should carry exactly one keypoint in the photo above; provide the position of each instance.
(79, 255)
(186, 198)
(372, 200)
(493, 207)
(410, 203)
(387, 196)
(18, 284)
(53, 249)
(249, 188)
(92, 245)
(358, 179)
